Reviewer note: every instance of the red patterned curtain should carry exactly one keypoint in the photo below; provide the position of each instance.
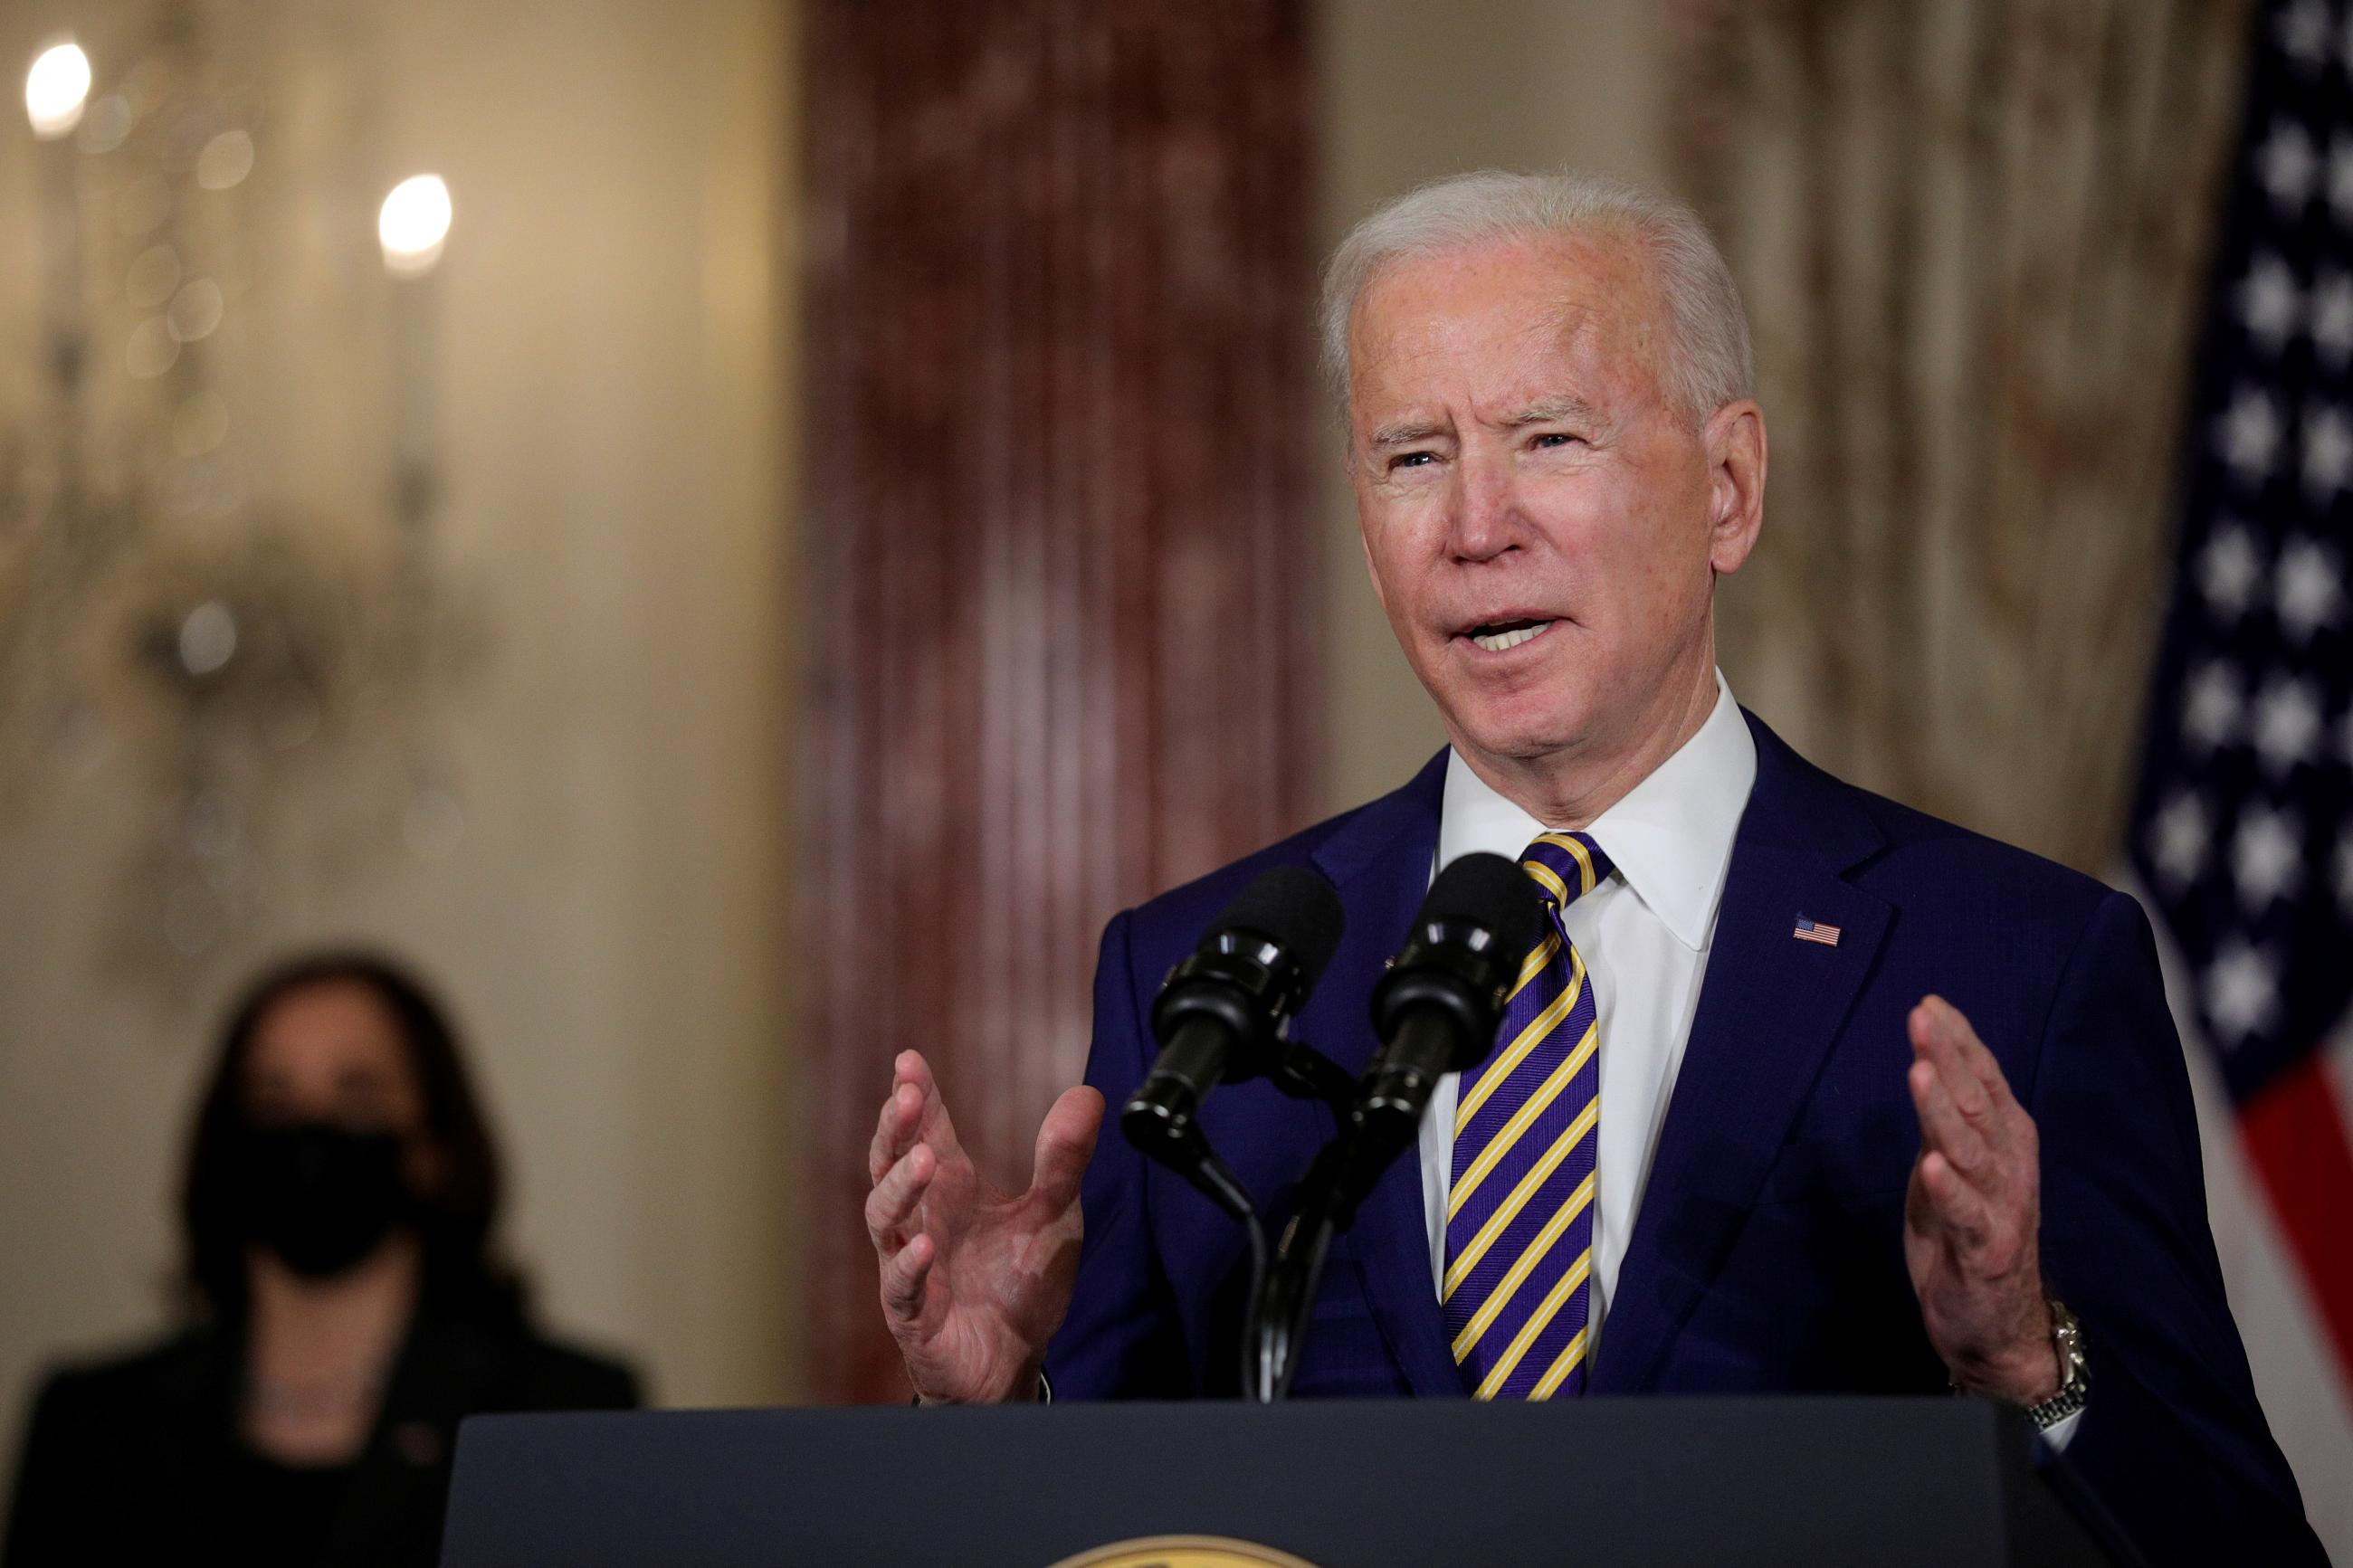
(1061, 542)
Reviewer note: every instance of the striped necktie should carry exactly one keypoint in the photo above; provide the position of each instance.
(1519, 1217)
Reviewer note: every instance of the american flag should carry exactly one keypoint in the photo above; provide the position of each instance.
(1814, 930)
(2243, 832)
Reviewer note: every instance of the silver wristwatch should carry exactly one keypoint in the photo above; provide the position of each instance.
(2074, 1373)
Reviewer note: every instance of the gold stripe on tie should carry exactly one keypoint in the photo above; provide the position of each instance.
(1509, 1133)
(1540, 1025)
(1535, 1178)
(1536, 964)
(1576, 851)
(1565, 1364)
(1553, 1229)
(1549, 880)
(1501, 1370)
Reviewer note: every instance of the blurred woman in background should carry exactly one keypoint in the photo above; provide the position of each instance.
(348, 1307)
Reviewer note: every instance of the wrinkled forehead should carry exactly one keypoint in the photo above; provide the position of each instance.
(1507, 320)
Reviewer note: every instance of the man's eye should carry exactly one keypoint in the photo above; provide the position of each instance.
(1413, 460)
(1554, 438)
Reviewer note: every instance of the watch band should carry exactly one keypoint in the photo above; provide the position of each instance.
(2074, 1372)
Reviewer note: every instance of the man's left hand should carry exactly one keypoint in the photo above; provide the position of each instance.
(1973, 1214)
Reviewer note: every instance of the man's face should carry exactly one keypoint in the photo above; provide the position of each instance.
(1541, 522)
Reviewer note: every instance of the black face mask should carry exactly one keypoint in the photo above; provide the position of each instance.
(320, 1197)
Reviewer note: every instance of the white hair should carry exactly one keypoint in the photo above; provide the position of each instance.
(1710, 364)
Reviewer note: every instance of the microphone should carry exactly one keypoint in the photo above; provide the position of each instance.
(1220, 1012)
(1435, 1013)
(1437, 1008)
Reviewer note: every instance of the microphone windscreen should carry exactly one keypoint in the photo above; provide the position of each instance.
(1491, 892)
(1294, 906)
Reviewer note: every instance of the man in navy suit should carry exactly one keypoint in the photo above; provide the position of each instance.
(1882, 1106)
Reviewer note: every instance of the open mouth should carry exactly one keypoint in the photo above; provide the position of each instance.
(1496, 636)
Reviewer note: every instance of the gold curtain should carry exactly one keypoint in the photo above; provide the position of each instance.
(1972, 238)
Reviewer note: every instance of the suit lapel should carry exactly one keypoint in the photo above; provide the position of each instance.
(1769, 1008)
(1380, 863)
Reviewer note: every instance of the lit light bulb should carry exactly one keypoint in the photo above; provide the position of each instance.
(56, 88)
(412, 224)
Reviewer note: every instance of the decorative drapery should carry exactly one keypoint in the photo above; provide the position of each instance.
(1061, 543)
(1971, 235)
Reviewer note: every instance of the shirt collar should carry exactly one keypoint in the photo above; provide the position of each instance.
(1670, 838)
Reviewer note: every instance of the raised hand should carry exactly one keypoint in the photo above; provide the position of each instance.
(975, 1280)
(1973, 1214)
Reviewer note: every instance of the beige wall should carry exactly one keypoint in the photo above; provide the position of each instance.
(614, 306)
(1412, 90)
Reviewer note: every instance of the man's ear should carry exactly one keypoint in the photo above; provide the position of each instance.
(1734, 440)
(1366, 544)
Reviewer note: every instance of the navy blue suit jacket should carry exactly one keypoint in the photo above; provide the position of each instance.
(1766, 1256)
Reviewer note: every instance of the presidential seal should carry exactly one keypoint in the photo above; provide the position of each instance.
(1184, 1552)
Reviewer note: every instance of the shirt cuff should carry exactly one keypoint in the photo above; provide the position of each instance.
(2062, 1432)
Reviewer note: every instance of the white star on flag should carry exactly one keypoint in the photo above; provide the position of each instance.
(2328, 451)
(2179, 841)
(2228, 569)
(2241, 992)
(2309, 589)
(2270, 302)
(2286, 164)
(2303, 33)
(2267, 858)
(2249, 435)
(2287, 722)
(2211, 715)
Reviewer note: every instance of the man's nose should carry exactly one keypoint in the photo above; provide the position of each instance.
(1486, 522)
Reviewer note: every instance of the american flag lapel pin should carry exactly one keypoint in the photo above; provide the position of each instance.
(1814, 930)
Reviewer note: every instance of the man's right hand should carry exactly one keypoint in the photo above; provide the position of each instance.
(975, 1280)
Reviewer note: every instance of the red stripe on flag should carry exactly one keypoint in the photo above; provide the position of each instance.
(2295, 1136)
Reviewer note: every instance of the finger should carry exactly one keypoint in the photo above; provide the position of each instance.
(1942, 1037)
(1955, 1207)
(1982, 1091)
(931, 1116)
(1980, 1058)
(895, 1129)
(1943, 1127)
(896, 1196)
(1919, 1206)
(904, 1275)
(1982, 1063)
(1066, 1141)
(909, 1066)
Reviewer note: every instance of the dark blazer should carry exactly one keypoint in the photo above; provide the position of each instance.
(1766, 1256)
(139, 1459)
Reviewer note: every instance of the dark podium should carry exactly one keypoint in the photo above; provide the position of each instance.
(1924, 1482)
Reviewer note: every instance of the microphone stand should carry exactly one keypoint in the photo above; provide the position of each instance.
(1272, 1317)
(1335, 1186)
(1435, 1012)
(1303, 1073)
(1213, 1179)
(1283, 1289)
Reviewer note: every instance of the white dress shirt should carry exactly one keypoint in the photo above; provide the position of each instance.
(1644, 933)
